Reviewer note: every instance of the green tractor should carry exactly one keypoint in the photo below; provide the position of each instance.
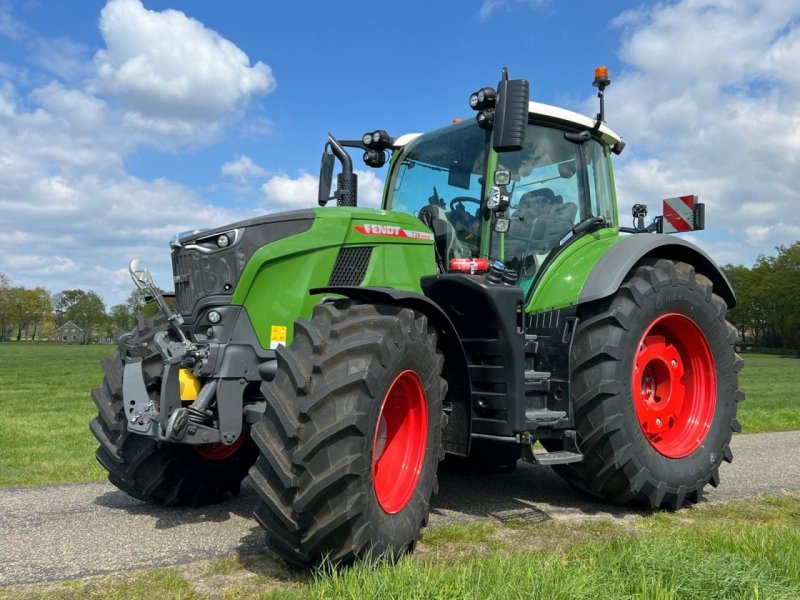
(494, 308)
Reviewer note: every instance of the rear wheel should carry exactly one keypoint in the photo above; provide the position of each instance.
(153, 471)
(352, 435)
(655, 389)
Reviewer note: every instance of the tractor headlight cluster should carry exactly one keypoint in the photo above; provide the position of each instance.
(376, 142)
(484, 101)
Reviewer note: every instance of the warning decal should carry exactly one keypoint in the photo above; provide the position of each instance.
(277, 336)
(679, 214)
(393, 231)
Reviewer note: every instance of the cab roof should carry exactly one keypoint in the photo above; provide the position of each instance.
(548, 113)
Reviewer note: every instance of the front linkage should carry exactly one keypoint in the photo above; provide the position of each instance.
(155, 446)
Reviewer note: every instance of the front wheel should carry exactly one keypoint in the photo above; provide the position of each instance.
(655, 389)
(352, 435)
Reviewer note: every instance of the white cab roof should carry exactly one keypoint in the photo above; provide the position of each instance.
(549, 113)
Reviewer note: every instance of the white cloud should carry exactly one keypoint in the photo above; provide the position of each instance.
(79, 110)
(167, 65)
(709, 105)
(282, 191)
(72, 217)
(242, 168)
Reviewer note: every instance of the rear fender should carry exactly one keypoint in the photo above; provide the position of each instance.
(456, 436)
(620, 259)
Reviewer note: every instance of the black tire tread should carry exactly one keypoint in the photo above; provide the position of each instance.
(312, 507)
(610, 470)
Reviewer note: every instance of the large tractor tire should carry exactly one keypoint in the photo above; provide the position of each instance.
(655, 389)
(352, 435)
(153, 471)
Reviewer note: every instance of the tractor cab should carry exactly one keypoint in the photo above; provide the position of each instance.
(556, 180)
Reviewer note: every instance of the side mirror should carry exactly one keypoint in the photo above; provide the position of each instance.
(511, 115)
(325, 178)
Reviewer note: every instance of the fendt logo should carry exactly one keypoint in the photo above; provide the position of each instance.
(381, 229)
(392, 231)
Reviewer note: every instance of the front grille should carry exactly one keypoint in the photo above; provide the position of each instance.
(198, 275)
(351, 266)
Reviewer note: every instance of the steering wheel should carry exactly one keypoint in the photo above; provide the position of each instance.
(460, 200)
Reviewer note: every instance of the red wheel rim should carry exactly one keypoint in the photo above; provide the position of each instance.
(219, 451)
(401, 437)
(674, 385)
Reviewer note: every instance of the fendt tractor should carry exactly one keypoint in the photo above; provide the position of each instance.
(494, 307)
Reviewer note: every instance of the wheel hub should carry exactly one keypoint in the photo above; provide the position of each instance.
(674, 385)
(401, 437)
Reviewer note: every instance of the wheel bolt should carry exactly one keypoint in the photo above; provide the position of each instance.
(658, 422)
(674, 363)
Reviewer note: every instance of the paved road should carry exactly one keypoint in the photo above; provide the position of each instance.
(70, 531)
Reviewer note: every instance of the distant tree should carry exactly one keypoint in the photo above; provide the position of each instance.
(38, 308)
(766, 298)
(27, 309)
(137, 302)
(120, 318)
(5, 285)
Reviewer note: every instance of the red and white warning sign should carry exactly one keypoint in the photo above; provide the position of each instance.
(682, 214)
(393, 231)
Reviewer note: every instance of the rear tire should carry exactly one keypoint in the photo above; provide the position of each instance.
(655, 389)
(153, 471)
(352, 435)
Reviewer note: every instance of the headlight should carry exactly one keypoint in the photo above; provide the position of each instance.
(502, 224)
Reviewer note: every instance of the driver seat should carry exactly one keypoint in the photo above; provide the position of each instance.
(445, 240)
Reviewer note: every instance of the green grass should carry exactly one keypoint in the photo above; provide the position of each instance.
(45, 408)
(742, 550)
(772, 393)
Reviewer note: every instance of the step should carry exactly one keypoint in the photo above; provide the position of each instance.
(535, 417)
(559, 457)
(532, 375)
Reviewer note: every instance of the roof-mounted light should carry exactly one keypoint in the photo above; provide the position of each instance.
(378, 139)
(601, 79)
(483, 99)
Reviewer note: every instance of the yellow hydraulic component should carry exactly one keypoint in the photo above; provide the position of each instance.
(190, 385)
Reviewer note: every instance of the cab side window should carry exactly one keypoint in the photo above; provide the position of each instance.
(601, 190)
(545, 199)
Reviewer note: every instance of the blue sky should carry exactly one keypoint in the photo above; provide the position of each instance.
(123, 122)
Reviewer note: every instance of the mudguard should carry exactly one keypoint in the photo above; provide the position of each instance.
(612, 268)
(456, 436)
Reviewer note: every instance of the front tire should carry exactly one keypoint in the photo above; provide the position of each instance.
(150, 470)
(655, 389)
(352, 435)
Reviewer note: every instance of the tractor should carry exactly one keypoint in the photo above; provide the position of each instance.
(493, 308)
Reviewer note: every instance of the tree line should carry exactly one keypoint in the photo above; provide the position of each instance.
(35, 313)
(767, 313)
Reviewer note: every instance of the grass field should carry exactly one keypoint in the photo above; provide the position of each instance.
(45, 408)
(741, 550)
(45, 411)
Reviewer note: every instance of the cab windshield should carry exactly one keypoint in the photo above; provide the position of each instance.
(444, 170)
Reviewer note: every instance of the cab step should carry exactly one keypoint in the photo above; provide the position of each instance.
(541, 417)
(559, 457)
(570, 453)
